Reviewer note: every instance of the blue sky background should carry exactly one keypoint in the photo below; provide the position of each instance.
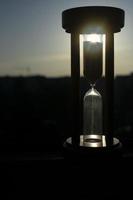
(32, 41)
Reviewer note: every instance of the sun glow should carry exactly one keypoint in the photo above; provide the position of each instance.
(94, 38)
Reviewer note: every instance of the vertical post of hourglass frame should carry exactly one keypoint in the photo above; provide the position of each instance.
(75, 75)
(109, 87)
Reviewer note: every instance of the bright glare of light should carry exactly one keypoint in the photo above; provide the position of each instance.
(93, 38)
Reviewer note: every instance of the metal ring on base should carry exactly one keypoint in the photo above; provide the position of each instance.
(94, 147)
(96, 141)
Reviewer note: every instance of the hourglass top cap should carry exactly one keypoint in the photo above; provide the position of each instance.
(90, 19)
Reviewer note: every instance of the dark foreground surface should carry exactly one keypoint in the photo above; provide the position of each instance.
(50, 176)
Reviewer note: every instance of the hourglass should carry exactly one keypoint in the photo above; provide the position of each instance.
(92, 103)
(92, 22)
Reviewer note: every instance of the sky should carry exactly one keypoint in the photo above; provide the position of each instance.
(33, 42)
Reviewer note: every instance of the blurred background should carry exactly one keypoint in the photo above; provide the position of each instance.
(33, 42)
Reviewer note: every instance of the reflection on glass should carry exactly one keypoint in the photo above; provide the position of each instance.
(93, 141)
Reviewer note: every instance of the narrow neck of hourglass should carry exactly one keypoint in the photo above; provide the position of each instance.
(92, 85)
(93, 90)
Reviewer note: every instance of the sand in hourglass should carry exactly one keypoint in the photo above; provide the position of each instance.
(92, 115)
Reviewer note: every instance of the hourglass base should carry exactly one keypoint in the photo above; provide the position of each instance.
(94, 145)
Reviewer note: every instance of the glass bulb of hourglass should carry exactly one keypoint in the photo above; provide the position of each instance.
(92, 57)
(92, 64)
(92, 116)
